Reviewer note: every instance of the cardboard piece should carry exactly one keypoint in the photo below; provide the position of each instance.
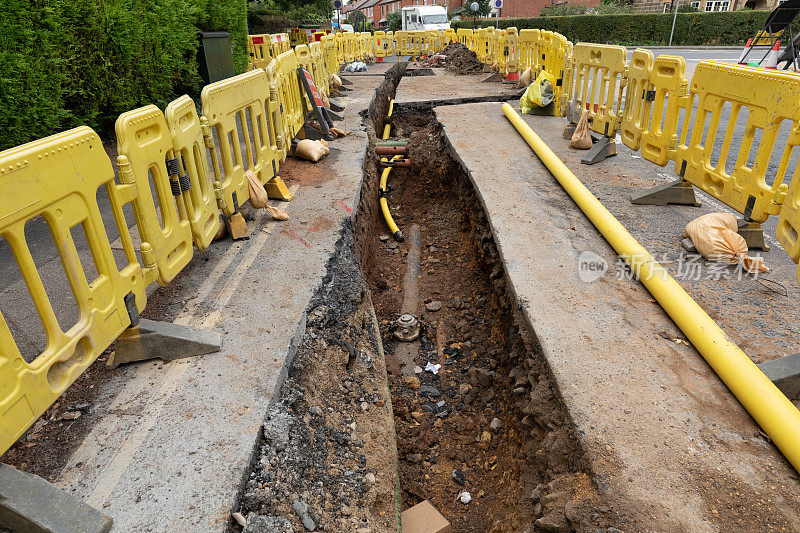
(424, 518)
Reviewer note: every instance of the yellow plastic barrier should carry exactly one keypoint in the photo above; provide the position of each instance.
(529, 52)
(260, 48)
(449, 37)
(667, 88)
(341, 45)
(320, 73)
(280, 43)
(289, 94)
(350, 47)
(511, 53)
(637, 106)
(329, 50)
(567, 85)
(465, 37)
(417, 42)
(771, 97)
(599, 72)
(403, 40)
(57, 178)
(788, 230)
(188, 134)
(143, 143)
(366, 43)
(501, 52)
(234, 105)
(554, 48)
(391, 44)
(275, 110)
(380, 45)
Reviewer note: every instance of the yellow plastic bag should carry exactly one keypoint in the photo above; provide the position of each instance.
(715, 237)
(538, 94)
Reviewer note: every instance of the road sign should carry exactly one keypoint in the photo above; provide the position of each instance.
(337, 4)
(498, 3)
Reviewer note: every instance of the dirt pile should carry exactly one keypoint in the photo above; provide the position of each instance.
(456, 58)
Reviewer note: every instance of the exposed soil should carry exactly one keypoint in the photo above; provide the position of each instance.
(457, 58)
(489, 422)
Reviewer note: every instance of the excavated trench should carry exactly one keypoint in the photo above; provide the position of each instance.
(362, 430)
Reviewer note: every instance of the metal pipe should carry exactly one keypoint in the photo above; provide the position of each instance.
(390, 150)
(776, 415)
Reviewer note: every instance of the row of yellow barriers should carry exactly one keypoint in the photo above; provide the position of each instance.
(656, 110)
(164, 176)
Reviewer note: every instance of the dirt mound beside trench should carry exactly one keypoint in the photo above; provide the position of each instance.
(457, 58)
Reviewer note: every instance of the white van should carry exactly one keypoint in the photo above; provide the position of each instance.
(424, 18)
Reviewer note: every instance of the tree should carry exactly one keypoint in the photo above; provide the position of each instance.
(484, 8)
(394, 20)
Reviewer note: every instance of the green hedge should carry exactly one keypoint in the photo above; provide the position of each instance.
(70, 62)
(691, 29)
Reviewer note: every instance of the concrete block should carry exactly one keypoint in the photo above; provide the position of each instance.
(424, 518)
(785, 374)
(31, 504)
(163, 340)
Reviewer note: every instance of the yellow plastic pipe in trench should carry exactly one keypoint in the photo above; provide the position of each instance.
(768, 406)
(387, 215)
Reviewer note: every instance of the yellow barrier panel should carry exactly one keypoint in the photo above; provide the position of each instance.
(449, 37)
(318, 65)
(512, 54)
(188, 132)
(599, 72)
(290, 98)
(366, 45)
(380, 45)
(637, 106)
(340, 47)
(330, 52)
(554, 49)
(57, 178)
(238, 105)
(465, 37)
(391, 45)
(143, 141)
(502, 49)
(529, 52)
(417, 43)
(260, 47)
(280, 43)
(350, 48)
(275, 110)
(788, 230)
(771, 97)
(667, 88)
(403, 40)
(567, 85)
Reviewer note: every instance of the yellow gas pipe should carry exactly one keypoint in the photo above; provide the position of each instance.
(387, 130)
(776, 415)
